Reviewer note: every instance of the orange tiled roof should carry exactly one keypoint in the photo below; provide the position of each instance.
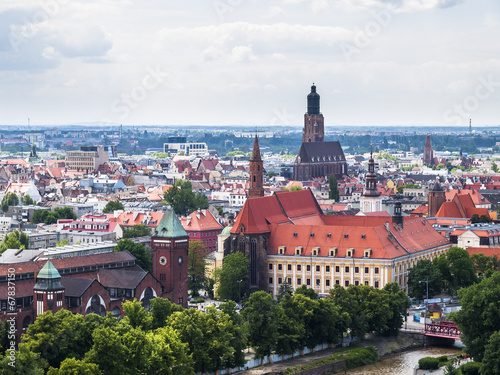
(200, 220)
(128, 218)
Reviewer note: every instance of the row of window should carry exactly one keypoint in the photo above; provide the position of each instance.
(203, 234)
(318, 282)
(327, 268)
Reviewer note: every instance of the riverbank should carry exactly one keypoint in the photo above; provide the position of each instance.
(385, 347)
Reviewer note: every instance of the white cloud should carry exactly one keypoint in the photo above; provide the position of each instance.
(242, 54)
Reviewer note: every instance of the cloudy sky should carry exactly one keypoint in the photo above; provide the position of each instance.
(249, 62)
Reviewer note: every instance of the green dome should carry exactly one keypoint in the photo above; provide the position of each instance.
(226, 230)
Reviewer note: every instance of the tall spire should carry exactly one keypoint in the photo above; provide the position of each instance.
(314, 129)
(371, 178)
(256, 188)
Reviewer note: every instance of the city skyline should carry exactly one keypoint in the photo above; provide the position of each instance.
(375, 62)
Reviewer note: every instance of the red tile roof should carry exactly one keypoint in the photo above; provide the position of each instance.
(200, 220)
(488, 251)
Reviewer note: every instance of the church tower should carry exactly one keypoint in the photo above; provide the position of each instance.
(428, 152)
(314, 125)
(371, 201)
(256, 188)
(437, 196)
(169, 245)
(48, 290)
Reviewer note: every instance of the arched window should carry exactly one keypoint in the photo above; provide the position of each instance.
(253, 262)
(148, 294)
(116, 311)
(95, 306)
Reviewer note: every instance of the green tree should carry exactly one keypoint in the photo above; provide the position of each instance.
(139, 230)
(449, 369)
(308, 292)
(239, 335)
(478, 318)
(291, 329)
(457, 269)
(196, 267)
(423, 270)
(262, 316)
(40, 216)
(168, 354)
(208, 336)
(399, 303)
(485, 265)
(356, 318)
(112, 206)
(27, 362)
(64, 213)
(108, 352)
(57, 337)
(10, 199)
(136, 315)
(234, 268)
(491, 360)
(283, 290)
(139, 251)
(63, 242)
(27, 200)
(161, 309)
(334, 188)
(72, 366)
(15, 240)
(183, 199)
(494, 167)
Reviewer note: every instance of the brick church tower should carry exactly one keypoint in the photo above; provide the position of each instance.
(169, 246)
(437, 196)
(314, 124)
(428, 152)
(48, 290)
(256, 188)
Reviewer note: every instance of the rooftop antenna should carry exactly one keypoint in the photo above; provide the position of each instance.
(470, 125)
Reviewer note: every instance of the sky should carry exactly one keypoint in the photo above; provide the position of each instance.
(249, 62)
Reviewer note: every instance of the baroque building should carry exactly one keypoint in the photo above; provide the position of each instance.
(317, 158)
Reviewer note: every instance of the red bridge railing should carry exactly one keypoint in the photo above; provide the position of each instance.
(443, 329)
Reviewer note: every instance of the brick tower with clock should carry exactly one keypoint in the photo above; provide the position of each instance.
(169, 246)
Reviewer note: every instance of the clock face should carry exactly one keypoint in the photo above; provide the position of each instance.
(179, 260)
(163, 261)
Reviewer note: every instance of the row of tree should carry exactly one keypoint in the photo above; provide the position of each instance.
(478, 320)
(11, 199)
(449, 272)
(168, 339)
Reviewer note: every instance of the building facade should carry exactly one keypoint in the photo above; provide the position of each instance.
(88, 158)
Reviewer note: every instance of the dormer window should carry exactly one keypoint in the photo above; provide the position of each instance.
(367, 253)
(281, 250)
(295, 234)
(346, 235)
(311, 235)
(333, 251)
(350, 252)
(315, 251)
(363, 236)
(298, 250)
(329, 235)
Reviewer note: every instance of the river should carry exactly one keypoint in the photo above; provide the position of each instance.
(403, 363)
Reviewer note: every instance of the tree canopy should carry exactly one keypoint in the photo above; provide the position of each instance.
(196, 267)
(457, 269)
(10, 199)
(139, 251)
(139, 230)
(15, 240)
(478, 318)
(183, 199)
(424, 270)
(112, 206)
(231, 276)
(333, 193)
(51, 217)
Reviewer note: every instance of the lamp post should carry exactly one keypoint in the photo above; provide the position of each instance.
(426, 281)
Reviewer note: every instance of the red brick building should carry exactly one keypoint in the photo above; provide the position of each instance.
(202, 226)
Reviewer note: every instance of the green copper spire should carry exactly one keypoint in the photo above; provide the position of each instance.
(48, 271)
(48, 278)
(170, 226)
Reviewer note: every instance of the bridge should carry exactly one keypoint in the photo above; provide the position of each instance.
(447, 330)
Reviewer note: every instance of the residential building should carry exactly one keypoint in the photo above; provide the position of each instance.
(202, 226)
(88, 158)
